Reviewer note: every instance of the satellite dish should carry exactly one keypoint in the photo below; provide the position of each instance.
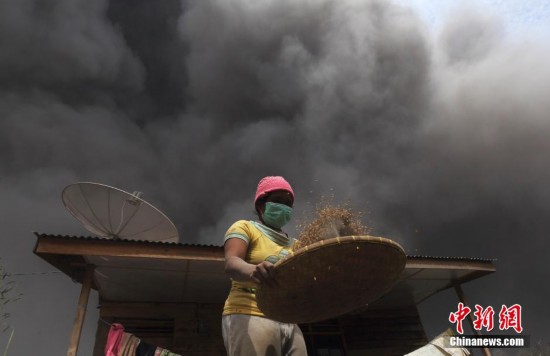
(113, 213)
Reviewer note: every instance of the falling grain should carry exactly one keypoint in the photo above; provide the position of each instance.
(331, 221)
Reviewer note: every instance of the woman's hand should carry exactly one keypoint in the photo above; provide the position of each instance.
(264, 273)
(240, 270)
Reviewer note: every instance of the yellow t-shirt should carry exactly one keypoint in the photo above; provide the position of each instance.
(264, 244)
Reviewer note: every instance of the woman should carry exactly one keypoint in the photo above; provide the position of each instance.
(251, 249)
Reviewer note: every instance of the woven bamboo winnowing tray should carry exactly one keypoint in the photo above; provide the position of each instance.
(330, 278)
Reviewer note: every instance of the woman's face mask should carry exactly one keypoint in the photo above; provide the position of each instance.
(276, 215)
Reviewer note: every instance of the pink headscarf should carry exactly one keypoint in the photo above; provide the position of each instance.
(270, 184)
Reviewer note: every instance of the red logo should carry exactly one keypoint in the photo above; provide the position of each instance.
(459, 316)
(484, 318)
(508, 317)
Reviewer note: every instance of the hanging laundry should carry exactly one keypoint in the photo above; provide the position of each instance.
(114, 339)
(121, 343)
(129, 345)
(164, 352)
(145, 349)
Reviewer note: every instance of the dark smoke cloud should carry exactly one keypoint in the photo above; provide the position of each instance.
(441, 137)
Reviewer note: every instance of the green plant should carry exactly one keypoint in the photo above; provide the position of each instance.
(8, 295)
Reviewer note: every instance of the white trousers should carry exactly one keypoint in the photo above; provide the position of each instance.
(248, 335)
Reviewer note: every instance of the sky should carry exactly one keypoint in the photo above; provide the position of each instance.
(429, 116)
(519, 17)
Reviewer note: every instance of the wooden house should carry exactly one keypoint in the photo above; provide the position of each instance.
(172, 295)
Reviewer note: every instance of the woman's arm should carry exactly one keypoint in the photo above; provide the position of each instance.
(240, 270)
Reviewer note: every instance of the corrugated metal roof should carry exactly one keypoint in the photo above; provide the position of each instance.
(465, 259)
(130, 270)
(88, 238)
(91, 238)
